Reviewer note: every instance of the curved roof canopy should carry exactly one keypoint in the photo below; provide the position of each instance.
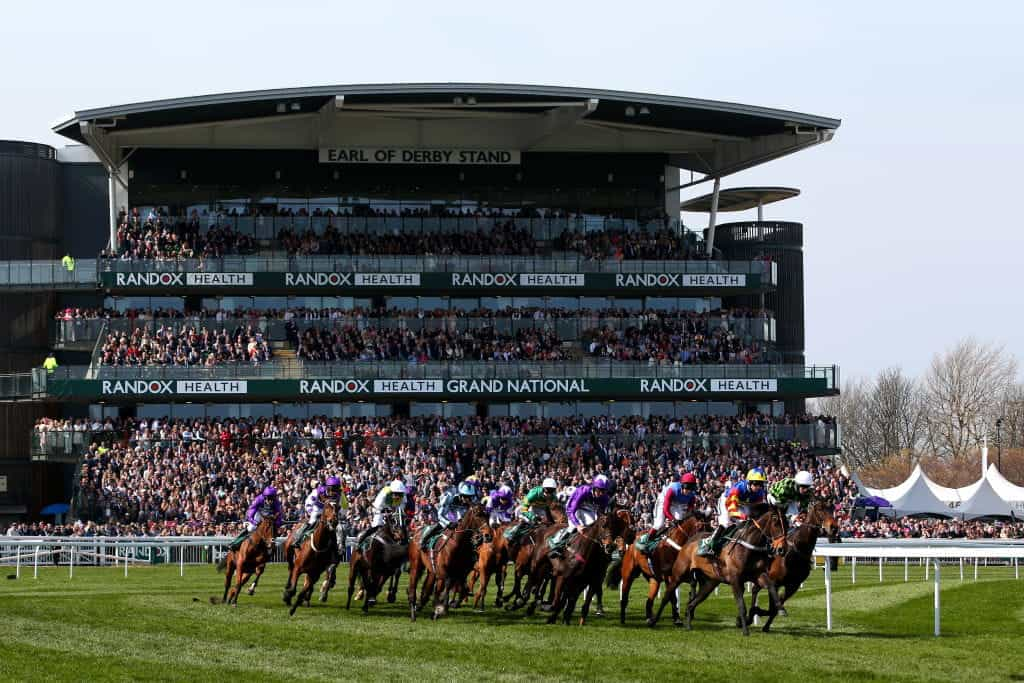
(707, 137)
(740, 199)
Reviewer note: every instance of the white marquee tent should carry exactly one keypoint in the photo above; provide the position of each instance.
(991, 496)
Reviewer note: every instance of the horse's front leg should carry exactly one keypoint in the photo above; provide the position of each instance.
(256, 579)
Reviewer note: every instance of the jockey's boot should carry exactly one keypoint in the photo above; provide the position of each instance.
(237, 543)
(427, 532)
(364, 535)
(651, 542)
(298, 533)
(707, 547)
(512, 532)
(558, 542)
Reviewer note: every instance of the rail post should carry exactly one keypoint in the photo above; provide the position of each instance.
(181, 560)
(17, 561)
(35, 567)
(906, 569)
(828, 593)
(1016, 567)
(71, 564)
(975, 569)
(961, 569)
(937, 585)
(853, 570)
(879, 570)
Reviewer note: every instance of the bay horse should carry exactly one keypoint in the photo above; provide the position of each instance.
(311, 558)
(656, 566)
(492, 558)
(573, 571)
(792, 568)
(252, 556)
(520, 553)
(386, 551)
(744, 557)
(447, 564)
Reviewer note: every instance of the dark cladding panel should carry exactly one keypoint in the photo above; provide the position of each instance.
(30, 201)
(86, 217)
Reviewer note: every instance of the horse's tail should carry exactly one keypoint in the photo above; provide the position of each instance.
(615, 572)
(222, 563)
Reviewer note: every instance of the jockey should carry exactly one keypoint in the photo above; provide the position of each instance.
(534, 507)
(500, 506)
(263, 505)
(734, 505)
(588, 502)
(677, 500)
(792, 494)
(390, 499)
(330, 492)
(452, 506)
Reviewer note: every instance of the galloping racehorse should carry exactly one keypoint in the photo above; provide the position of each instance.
(251, 556)
(446, 564)
(792, 568)
(386, 551)
(492, 557)
(573, 572)
(745, 557)
(311, 558)
(520, 554)
(656, 566)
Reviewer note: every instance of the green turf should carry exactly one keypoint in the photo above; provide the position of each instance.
(157, 625)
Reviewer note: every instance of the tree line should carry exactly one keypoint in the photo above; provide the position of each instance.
(945, 413)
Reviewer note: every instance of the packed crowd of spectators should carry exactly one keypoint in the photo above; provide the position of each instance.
(619, 245)
(504, 239)
(158, 236)
(370, 343)
(683, 342)
(182, 477)
(155, 238)
(188, 346)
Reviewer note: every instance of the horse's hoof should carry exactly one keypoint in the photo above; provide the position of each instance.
(251, 591)
(678, 622)
(323, 597)
(546, 607)
(765, 628)
(371, 602)
(746, 632)
(598, 612)
(478, 610)
(651, 623)
(783, 612)
(392, 599)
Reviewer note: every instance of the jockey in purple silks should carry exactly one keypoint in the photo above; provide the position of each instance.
(500, 505)
(266, 503)
(588, 502)
(330, 492)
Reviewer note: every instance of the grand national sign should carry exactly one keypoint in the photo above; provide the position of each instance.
(384, 390)
(422, 157)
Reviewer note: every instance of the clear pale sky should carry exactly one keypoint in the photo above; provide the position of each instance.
(912, 233)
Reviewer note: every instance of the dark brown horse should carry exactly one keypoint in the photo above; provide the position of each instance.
(386, 551)
(655, 566)
(745, 557)
(252, 556)
(520, 553)
(792, 568)
(446, 565)
(311, 558)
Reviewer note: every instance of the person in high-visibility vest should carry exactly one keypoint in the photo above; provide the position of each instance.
(50, 364)
(68, 262)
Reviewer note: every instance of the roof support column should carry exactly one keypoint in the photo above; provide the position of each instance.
(710, 240)
(671, 184)
(760, 209)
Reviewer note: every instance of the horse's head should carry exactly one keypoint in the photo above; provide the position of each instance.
(769, 521)
(329, 517)
(819, 514)
(620, 525)
(693, 523)
(267, 528)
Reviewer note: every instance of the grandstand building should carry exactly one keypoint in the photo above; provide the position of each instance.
(397, 250)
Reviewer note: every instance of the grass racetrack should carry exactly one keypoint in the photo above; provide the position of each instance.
(158, 625)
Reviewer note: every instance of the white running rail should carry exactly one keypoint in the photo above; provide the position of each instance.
(931, 555)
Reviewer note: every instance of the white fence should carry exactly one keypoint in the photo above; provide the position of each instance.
(932, 553)
(23, 552)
